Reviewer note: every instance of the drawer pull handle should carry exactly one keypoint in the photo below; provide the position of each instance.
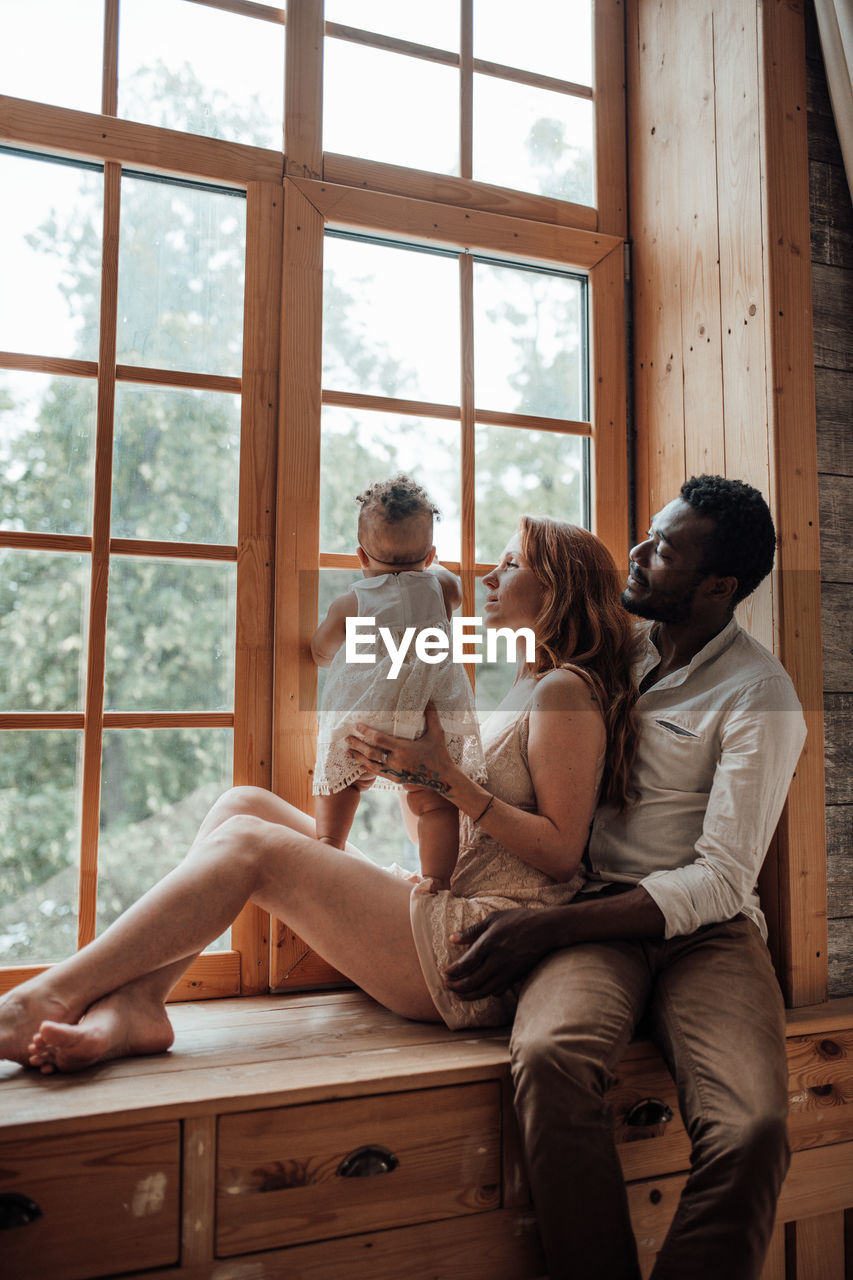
(366, 1162)
(17, 1210)
(648, 1112)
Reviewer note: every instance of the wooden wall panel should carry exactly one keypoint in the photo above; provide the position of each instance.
(718, 197)
(653, 116)
(832, 293)
(794, 467)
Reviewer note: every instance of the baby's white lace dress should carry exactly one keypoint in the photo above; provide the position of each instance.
(361, 693)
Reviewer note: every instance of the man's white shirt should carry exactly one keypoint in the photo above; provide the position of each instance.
(719, 742)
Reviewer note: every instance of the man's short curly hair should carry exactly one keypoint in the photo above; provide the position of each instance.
(743, 542)
(397, 499)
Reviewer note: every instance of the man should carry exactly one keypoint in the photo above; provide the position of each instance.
(668, 926)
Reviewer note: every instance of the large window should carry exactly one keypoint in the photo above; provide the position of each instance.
(210, 342)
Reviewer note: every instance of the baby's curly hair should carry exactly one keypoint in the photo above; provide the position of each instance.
(397, 514)
(743, 542)
(397, 499)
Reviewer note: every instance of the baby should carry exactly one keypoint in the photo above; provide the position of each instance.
(403, 587)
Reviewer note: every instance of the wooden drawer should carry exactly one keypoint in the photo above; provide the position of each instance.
(281, 1174)
(108, 1202)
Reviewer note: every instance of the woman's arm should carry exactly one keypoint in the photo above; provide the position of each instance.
(331, 633)
(565, 741)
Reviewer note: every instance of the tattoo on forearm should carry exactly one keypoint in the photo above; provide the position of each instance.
(420, 779)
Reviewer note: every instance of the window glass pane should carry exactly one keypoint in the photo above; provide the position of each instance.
(47, 435)
(180, 284)
(378, 831)
(436, 23)
(44, 600)
(385, 106)
(50, 258)
(39, 852)
(522, 472)
(186, 66)
(533, 140)
(390, 321)
(360, 447)
(170, 635)
(552, 37)
(156, 787)
(493, 679)
(175, 473)
(528, 342)
(52, 51)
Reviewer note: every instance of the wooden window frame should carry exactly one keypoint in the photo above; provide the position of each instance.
(290, 197)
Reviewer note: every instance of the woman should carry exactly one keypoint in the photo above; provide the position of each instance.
(573, 707)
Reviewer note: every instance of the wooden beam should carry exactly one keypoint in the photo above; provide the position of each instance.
(791, 401)
(608, 394)
(109, 84)
(96, 651)
(611, 174)
(253, 688)
(303, 89)
(427, 222)
(373, 175)
(61, 131)
(297, 533)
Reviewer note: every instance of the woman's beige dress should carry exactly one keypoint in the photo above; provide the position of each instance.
(487, 877)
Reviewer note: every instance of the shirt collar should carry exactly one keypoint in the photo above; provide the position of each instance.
(715, 646)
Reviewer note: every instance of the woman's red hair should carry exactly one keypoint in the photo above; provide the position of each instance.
(583, 625)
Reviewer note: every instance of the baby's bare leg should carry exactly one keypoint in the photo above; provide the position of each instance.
(438, 834)
(334, 815)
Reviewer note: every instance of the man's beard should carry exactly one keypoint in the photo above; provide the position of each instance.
(667, 606)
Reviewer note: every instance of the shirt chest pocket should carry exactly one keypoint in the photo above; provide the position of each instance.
(684, 758)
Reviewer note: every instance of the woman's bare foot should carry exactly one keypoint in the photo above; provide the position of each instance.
(127, 1023)
(21, 1013)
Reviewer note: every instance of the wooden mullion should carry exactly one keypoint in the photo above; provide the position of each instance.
(297, 543)
(529, 422)
(609, 121)
(374, 175)
(168, 719)
(536, 81)
(142, 146)
(48, 364)
(391, 44)
(609, 404)
(26, 541)
(177, 378)
(339, 560)
(466, 359)
(389, 404)
(466, 89)
(303, 89)
(42, 720)
(253, 686)
(174, 550)
(109, 83)
(447, 224)
(93, 733)
(245, 9)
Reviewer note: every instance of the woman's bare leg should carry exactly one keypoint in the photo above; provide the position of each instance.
(353, 913)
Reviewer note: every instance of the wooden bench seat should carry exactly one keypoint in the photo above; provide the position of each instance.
(235, 1146)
